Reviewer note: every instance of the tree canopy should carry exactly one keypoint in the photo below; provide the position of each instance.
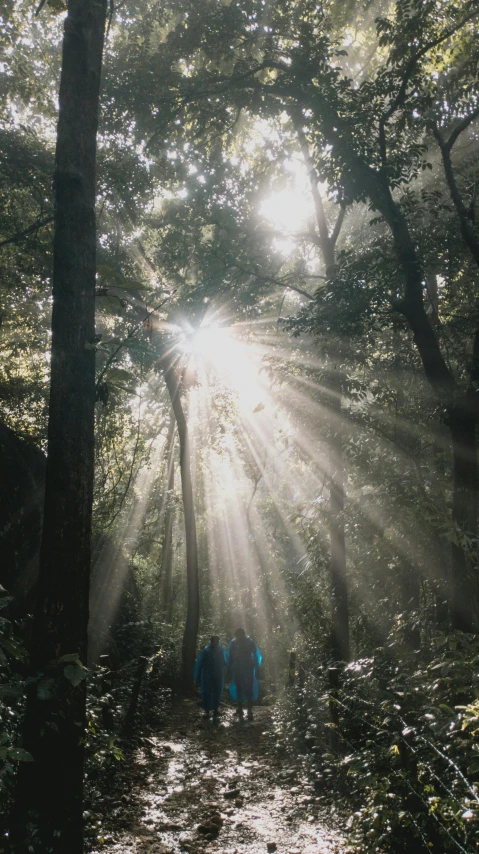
(283, 254)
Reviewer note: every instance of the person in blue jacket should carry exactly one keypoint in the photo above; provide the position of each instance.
(243, 658)
(209, 672)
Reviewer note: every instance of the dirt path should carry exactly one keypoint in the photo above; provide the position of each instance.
(202, 788)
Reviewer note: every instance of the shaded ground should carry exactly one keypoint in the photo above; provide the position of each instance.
(217, 789)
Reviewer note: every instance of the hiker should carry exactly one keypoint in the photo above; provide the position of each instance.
(209, 672)
(243, 659)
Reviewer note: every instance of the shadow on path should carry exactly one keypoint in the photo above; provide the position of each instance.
(204, 788)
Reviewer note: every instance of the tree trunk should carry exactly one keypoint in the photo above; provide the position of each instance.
(462, 424)
(50, 789)
(373, 184)
(340, 646)
(190, 635)
(461, 411)
(167, 551)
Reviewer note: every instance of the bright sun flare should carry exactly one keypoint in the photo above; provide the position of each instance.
(209, 343)
(217, 347)
(287, 210)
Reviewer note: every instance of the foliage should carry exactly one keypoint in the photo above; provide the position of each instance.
(407, 749)
(109, 696)
(201, 108)
(13, 658)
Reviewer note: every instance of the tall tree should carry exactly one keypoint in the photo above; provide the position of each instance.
(327, 241)
(174, 378)
(368, 143)
(167, 543)
(50, 792)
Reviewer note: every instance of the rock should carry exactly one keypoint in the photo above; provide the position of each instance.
(239, 802)
(287, 774)
(170, 825)
(143, 831)
(211, 826)
(271, 846)
(152, 847)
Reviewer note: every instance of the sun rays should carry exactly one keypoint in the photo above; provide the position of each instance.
(261, 426)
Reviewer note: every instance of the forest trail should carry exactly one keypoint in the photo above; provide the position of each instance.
(203, 788)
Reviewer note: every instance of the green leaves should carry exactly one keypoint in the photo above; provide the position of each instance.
(12, 754)
(71, 656)
(75, 673)
(12, 647)
(17, 754)
(110, 277)
(55, 7)
(119, 376)
(426, 744)
(69, 667)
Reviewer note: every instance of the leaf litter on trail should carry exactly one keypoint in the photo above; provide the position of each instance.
(203, 788)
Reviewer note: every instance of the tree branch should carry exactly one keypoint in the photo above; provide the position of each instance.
(325, 242)
(462, 126)
(39, 223)
(398, 101)
(274, 281)
(411, 65)
(338, 225)
(132, 332)
(468, 234)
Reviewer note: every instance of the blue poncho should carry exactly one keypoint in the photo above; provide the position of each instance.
(209, 670)
(243, 658)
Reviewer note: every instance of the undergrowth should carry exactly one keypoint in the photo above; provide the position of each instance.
(406, 752)
(122, 702)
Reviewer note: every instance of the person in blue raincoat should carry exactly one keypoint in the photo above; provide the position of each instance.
(209, 672)
(243, 659)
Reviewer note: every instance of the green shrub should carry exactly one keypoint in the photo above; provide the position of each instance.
(408, 751)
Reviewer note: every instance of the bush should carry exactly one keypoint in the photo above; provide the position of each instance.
(407, 749)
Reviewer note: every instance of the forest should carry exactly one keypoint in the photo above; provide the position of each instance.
(239, 389)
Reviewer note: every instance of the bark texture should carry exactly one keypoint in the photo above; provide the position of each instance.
(190, 635)
(462, 424)
(167, 550)
(461, 407)
(340, 644)
(50, 793)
